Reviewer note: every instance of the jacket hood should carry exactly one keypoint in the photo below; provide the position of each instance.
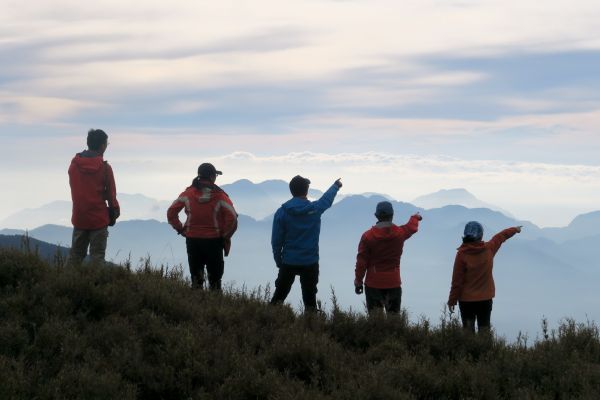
(472, 248)
(384, 231)
(298, 206)
(88, 162)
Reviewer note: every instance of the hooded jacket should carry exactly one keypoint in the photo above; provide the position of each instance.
(210, 213)
(379, 253)
(472, 278)
(92, 184)
(296, 229)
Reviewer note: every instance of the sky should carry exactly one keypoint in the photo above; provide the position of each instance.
(399, 97)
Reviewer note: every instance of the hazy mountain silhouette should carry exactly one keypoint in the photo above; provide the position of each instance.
(47, 251)
(133, 206)
(459, 196)
(260, 199)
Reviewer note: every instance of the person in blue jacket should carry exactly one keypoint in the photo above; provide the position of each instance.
(295, 241)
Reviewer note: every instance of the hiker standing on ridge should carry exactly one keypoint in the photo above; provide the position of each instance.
(211, 222)
(295, 241)
(472, 280)
(379, 253)
(94, 195)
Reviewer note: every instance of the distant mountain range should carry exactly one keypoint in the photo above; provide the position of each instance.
(459, 197)
(550, 272)
(47, 251)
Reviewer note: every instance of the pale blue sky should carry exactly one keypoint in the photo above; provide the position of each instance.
(499, 97)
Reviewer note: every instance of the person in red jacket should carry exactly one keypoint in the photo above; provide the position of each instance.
(379, 253)
(210, 224)
(472, 280)
(94, 195)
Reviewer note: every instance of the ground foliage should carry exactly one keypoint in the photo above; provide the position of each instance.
(109, 332)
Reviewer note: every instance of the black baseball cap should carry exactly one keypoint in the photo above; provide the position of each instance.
(206, 170)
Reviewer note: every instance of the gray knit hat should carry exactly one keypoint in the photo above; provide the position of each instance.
(384, 209)
(473, 231)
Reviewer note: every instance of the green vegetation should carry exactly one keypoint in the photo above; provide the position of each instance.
(107, 332)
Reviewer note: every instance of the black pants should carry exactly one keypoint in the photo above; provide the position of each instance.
(476, 310)
(389, 299)
(209, 253)
(309, 277)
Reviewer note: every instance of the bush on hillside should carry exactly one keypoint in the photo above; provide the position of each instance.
(107, 332)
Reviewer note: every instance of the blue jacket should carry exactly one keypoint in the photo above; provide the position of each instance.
(296, 229)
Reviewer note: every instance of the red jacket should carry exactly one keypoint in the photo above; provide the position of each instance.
(379, 253)
(89, 178)
(210, 213)
(472, 278)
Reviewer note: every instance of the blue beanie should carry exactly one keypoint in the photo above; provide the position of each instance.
(473, 231)
(384, 209)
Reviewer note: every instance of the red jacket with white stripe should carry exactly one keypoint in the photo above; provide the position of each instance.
(379, 253)
(92, 185)
(210, 212)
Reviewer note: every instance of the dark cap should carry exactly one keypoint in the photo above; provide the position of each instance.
(384, 209)
(473, 231)
(299, 186)
(206, 170)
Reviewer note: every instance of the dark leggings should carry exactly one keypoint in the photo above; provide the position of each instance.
(470, 311)
(209, 253)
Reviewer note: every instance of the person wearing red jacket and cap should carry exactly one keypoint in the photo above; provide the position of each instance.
(94, 195)
(472, 280)
(210, 224)
(379, 253)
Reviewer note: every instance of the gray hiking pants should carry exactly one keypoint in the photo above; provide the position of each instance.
(96, 240)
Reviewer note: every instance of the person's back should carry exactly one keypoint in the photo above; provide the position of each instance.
(379, 253)
(300, 222)
(210, 212)
(473, 284)
(211, 222)
(92, 186)
(87, 176)
(295, 240)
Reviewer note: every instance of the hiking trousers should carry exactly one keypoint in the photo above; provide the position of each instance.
(95, 239)
(205, 253)
(309, 277)
(480, 311)
(388, 299)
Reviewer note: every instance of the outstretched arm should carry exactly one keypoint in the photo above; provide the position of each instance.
(502, 237)
(327, 199)
(412, 226)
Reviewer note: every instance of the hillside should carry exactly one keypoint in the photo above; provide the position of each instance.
(108, 332)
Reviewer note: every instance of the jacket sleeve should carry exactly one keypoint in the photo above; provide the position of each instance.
(227, 218)
(326, 200)
(411, 227)
(500, 238)
(277, 237)
(362, 261)
(173, 212)
(458, 275)
(112, 192)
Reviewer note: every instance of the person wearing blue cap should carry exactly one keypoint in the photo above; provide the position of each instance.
(378, 258)
(472, 280)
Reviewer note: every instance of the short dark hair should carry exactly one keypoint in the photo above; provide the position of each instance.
(96, 138)
(299, 186)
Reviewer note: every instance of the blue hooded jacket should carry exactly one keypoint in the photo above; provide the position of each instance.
(296, 229)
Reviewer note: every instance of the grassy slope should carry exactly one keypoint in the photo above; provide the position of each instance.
(106, 332)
